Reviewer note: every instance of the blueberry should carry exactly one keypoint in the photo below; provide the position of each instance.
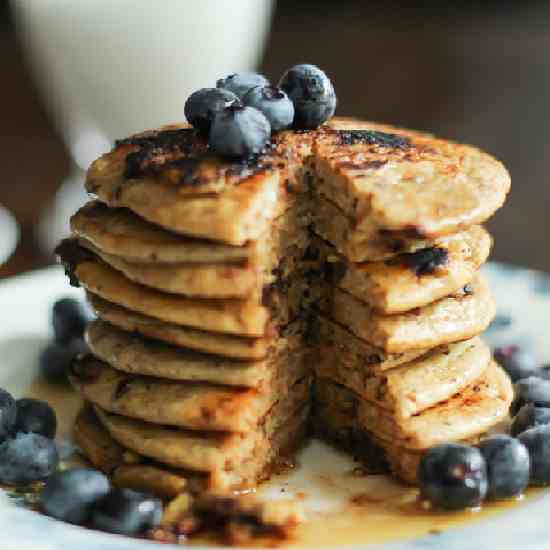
(55, 359)
(27, 458)
(530, 416)
(517, 362)
(537, 441)
(202, 105)
(239, 132)
(273, 103)
(127, 512)
(71, 494)
(240, 83)
(453, 476)
(7, 414)
(507, 463)
(68, 319)
(35, 416)
(312, 93)
(531, 390)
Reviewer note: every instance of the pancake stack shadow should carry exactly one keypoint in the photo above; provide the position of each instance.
(332, 283)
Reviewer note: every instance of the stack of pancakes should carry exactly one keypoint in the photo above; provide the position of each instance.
(344, 259)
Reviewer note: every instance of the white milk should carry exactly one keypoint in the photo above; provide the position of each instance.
(108, 68)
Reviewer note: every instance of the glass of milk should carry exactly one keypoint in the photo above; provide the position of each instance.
(109, 68)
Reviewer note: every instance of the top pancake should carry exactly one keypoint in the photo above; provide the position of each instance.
(392, 180)
(171, 179)
(386, 180)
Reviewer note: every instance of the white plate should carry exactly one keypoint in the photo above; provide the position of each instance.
(323, 475)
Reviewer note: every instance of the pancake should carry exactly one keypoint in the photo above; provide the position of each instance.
(134, 354)
(417, 385)
(230, 459)
(387, 179)
(126, 245)
(170, 179)
(223, 280)
(191, 405)
(126, 468)
(457, 317)
(338, 345)
(118, 231)
(410, 280)
(474, 410)
(121, 233)
(404, 462)
(338, 416)
(227, 345)
(332, 224)
(240, 317)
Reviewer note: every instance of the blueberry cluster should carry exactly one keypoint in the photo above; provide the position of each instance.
(455, 476)
(239, 115)
(85, 497)
(69, 318)
(27, 450)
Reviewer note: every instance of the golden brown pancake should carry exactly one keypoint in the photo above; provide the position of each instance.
(457, 317)
(191, 405)
(412, 280)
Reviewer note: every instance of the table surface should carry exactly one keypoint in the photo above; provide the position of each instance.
(480, 77)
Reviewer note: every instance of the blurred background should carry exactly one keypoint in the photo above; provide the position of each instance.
(79, 74)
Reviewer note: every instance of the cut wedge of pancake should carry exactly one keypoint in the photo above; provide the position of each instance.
(230, 459)
(417, 385)
(457, 317)
(411, 280)
(227, 345)
(191, 405)
(240, 317)
(403, 181)
(135, 354)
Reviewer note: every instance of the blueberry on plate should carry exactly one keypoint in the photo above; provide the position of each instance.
(202, 105)
(7, 414)
(71, 494)
(508, 465)
(312, 93)
(240, 83)
(239, 132)
(27, 458)
(530, 416)
(273, 103)
(127, 512)
(517, 361)
(35, 416)
(537, 441)
(55, 359)
(68, 319)
(453, 476)
(531, 390)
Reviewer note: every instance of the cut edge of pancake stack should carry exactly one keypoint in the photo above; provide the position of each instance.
(346, 259)
(401, 366)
